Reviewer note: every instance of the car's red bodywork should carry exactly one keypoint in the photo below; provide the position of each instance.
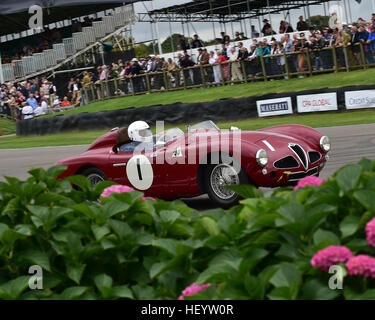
(171, 181)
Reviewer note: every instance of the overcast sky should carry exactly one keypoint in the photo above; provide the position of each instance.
(142, 31)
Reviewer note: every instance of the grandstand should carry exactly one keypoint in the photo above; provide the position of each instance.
(72, 46)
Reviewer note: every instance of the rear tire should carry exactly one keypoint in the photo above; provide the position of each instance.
(94, 175)
(216, 177)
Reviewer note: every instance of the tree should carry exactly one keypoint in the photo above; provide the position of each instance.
(318, 21)
(142, 51)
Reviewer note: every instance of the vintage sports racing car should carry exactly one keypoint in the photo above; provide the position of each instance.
(205, 160)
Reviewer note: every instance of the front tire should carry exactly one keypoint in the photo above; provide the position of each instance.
(94, 175)
(217, 177)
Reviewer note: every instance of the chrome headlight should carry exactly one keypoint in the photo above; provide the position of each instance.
(325, 144)
(262, 157)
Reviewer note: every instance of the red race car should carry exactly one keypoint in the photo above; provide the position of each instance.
(174, 164)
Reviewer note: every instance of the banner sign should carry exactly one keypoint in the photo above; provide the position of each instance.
(360, 99)
(274, 107)
(317, 102)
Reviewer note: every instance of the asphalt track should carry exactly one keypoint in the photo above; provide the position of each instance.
(349, 144)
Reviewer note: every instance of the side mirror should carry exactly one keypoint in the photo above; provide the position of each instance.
(115, 149)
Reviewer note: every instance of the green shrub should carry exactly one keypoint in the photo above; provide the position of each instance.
(123, 247)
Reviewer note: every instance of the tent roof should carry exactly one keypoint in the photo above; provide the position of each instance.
(15, 16)
(224, 8)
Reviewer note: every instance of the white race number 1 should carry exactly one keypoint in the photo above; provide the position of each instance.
(139, 172)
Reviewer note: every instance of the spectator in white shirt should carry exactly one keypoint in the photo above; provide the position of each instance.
(27, 112)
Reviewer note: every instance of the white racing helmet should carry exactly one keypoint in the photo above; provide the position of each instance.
(139, 131)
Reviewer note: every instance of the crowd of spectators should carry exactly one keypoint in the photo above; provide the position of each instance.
(231, 63)
(216, 68)
(33, 98)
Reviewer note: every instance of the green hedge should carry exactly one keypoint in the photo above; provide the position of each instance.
(123, 247)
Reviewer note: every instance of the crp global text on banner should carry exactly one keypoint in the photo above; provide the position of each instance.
(317, 102)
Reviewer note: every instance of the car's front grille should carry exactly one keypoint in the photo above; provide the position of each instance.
(288, 162)
(300, 153)
(314, 156)
(300, 175)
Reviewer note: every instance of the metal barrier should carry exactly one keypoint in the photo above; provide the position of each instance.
(28, 65)
(99, 29)
(109, 24)
(18, 68)
(79, 41)
(40, 63)
(8, 72)
(264, 68)
(59, 51)
(50, 58)
(89, 34)
(69, 46)
(118, 19)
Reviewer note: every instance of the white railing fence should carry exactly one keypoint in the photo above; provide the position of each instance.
(38, 62)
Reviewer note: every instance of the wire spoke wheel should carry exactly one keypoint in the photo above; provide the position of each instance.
(221, 176)
(95, 178)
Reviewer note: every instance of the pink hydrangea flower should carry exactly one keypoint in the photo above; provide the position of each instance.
(120, 189)
(192, 290)
(370, 232)
(309, 181)
(330, 256)
(361, 265)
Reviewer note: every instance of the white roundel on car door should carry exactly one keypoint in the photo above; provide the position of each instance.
(139, 172)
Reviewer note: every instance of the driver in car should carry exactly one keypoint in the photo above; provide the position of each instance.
(140, 134)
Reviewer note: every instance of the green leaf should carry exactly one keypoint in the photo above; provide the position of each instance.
(281, 293)
(12, 207)
(73, 293)
(246, 191)
(215, 274)
(56, 171)
(13, 288)
(80, 181)
(167, 244)
(347, 178)
(122, 229)
(103, 281)
(286, 275)
(23, 229)
(210, 225)
(114, 207)
(294, 212)
(3, 228)
(157, 268)
(100, 231)
(326, 237)
(349, 225)
(366, 198)
(37, 257)
(316, 289)
(75, 272)
(85, 209)
(123, 292)
(168, 217)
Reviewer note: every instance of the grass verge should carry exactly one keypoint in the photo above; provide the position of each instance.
(314, 120)
(7, 126)
(332, 80)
